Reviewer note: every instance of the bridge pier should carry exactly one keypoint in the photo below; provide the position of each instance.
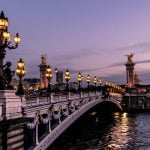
(136, 102)
(10, 105)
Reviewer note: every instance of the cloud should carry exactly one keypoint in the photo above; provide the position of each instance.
(141, 47)
(118, 64)
(142, 61)
(78, 53)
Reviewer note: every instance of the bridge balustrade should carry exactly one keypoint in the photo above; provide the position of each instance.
(34, 101)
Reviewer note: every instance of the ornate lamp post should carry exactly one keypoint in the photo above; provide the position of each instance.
(95, 81)
(95, 84)
(5, 43)
(20, 71)
(56, 72)
(67, 78)
(100, 83)
(79, 80)
(49, 77)
(88, 80)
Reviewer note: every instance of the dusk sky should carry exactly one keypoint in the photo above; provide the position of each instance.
(90, 36)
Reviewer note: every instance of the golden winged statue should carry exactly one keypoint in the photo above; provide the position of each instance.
(130, 57)
(43, 59)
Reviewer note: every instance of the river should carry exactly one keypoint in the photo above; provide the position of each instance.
(103, 131)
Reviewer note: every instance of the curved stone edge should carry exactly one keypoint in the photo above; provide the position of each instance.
(51, 137)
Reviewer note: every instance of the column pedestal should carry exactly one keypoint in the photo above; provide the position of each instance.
(10, 105)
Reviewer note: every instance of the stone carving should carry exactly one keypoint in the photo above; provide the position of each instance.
(6, 75)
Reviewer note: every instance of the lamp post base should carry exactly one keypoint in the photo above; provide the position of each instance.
(20, 90)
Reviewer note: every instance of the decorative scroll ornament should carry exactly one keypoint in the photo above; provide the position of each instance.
(65, 112)
(71, 108)
(77, 105)
(56, 114)
(31, 125)
(44, 120)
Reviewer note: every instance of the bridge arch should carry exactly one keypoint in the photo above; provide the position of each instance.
(109, 106)
(56, 132)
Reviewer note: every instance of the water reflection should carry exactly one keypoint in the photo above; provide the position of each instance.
(98, 131)
(119, 133)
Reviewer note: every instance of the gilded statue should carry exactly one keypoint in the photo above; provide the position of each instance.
(130, 57)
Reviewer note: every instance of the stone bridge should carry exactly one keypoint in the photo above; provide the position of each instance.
(48, 117)
(64, 109)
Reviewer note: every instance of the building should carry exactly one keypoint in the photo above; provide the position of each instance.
(28, 84)
(59, 77)
(136, 79)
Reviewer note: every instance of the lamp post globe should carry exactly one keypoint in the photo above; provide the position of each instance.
(20, 72)
(5, 43)
(95, 81)
(67, 78)
(100, 83)
(49, 76)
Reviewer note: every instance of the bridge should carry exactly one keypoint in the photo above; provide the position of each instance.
(64, 110)
(48, 117)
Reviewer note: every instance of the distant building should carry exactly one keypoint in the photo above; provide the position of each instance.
(28, 84)
(59, 77)
(136, 79)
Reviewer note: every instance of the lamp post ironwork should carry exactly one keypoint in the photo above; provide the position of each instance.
(79, 80)
(5, 43)
(56, 72)
(88, 80)
(100, 83)
(20, 71)
(67, 78)
(49, 77)
(95, 82)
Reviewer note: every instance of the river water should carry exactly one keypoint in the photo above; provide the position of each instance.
(101, 131)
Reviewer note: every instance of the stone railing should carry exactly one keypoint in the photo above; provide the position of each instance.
(35, 101)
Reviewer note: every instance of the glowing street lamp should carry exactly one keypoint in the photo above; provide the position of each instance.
(100, 83)
(20, 71)
(67, 78)
(56, 70)
(49, 77)
(88, 80)
(95, 81)
(5, 43)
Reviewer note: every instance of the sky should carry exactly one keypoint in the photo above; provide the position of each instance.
(90, 36)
